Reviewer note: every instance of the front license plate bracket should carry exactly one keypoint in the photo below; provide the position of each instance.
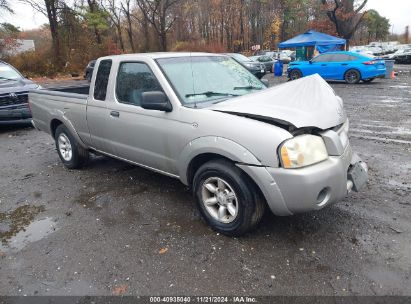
(358, 174)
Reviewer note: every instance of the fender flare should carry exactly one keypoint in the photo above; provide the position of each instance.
(215, 145)
(66, 122)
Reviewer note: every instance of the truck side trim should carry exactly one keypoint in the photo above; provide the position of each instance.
(137, 164)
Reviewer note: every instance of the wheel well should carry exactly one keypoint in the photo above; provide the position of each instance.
(200, 160)
(296, 69)
(353, 69)
(54, 125)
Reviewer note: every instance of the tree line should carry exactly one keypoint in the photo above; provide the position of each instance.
(80, 30)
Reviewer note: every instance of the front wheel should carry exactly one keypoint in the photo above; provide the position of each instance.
(295, 74)
(70, 152)
(227, 199)
(352, 77)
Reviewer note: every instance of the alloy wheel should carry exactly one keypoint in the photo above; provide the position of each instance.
(220, 200)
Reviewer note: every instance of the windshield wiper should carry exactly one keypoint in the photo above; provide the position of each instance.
(248, 88)
(211, 93)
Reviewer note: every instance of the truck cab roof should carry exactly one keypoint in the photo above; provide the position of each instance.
(159, 55)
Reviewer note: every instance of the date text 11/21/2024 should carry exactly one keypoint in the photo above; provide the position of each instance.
(204, 299)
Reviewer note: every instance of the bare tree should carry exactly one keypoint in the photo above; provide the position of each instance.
(126, 8)
(5, 6)
(158, 14)
(345, 15)
(115, 16)
(50, 8)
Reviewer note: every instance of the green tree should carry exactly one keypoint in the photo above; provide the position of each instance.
(378, 27)
(8, 30)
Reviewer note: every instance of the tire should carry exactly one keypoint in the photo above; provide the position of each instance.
(295, 74)
(352, 76)
(235, 205)
(368, 80)
(70, 152)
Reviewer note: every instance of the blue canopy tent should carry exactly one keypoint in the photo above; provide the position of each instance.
(322, 42)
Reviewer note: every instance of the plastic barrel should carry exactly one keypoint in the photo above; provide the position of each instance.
(389, 64)
(278, 68)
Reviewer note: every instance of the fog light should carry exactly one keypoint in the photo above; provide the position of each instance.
(323, 197)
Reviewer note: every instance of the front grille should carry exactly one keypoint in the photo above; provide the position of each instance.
(13, 99)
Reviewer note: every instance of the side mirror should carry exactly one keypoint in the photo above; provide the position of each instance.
(310, 61)
(265, 82)
(156, 100)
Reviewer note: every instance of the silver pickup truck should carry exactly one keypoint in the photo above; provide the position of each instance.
(206, 120)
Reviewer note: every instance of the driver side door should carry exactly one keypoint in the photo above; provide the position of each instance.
(139, 135)
(318, 65)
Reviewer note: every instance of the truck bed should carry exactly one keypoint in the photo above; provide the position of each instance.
(81, 89)
(60, 103)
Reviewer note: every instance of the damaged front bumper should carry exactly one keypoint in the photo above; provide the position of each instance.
(291, 191)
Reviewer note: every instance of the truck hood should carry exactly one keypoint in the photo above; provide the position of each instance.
(306, 102)
(15, 86)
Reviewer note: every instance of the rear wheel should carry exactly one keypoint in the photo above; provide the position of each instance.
(227, 198)
(295, 74)
(352, 76)
(71, 153)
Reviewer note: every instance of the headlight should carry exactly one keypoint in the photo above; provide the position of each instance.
(302, 151)
(249, 65)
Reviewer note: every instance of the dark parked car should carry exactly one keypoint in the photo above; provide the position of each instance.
(256, 68)
(404, 57)
(268, 62)
(14, 89)
(88, 72)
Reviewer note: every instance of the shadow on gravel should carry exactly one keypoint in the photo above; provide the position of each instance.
(134, 187)
(15, 127)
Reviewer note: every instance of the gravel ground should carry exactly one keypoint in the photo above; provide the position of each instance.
(112, 228)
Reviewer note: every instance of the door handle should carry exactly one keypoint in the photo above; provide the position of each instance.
(323, 65)
(115, 114)
(344, 63)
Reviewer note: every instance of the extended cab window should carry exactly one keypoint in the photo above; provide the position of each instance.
(133, 79)
(100, 86)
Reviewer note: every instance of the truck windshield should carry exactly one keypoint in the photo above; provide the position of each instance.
(208, 79)
(8, 73)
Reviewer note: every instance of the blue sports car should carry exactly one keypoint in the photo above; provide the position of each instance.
(348, 66)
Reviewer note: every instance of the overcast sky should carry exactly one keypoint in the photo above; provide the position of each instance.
(398, 11)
